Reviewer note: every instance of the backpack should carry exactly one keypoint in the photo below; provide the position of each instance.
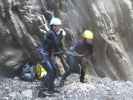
(27, 72)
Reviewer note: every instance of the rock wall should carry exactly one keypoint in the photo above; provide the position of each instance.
(111, 21)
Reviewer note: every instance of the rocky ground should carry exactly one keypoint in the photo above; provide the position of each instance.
(97, 89)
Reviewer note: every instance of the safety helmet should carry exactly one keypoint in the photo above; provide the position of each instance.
(40, 71)
(55, 21)
(87, 34)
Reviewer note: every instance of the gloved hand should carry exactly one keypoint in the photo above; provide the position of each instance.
(71, 49)
(72, 52)
(63, 32)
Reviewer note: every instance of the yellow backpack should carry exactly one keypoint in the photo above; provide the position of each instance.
(40, 71)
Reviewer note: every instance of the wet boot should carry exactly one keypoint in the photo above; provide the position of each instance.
(61, 83)
(64, 78)
(82, 76)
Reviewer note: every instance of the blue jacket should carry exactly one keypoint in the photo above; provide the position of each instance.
(53, 42)
(83, 48)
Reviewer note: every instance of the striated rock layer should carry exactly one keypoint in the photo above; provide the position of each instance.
(110, 20)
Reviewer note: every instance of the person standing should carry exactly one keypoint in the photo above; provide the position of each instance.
(53, 42)
(84, 47)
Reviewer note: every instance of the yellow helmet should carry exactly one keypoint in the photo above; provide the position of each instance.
(40, 71)
(88, 35)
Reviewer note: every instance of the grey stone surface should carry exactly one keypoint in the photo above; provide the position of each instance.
(100, 89)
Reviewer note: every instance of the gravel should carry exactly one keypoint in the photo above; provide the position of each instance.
(96, 89)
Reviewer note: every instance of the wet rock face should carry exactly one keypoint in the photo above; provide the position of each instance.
(107, 20)
(111, 22)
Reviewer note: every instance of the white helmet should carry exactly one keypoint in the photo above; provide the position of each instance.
(55, 21)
